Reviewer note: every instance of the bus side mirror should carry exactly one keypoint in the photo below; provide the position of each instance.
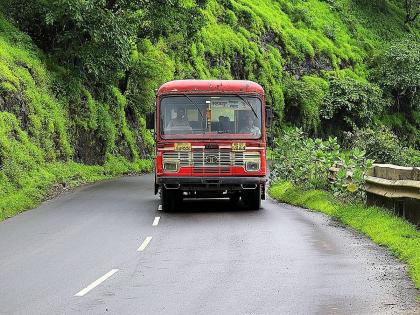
(268, 116)
(150, 121)
(270, 141)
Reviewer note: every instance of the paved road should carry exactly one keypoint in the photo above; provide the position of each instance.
(87, 253)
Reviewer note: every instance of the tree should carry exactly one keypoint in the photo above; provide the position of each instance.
(351, 104)
(398, 73)
(161, 18)
(412, 10)
(95, 38)
(92, 37)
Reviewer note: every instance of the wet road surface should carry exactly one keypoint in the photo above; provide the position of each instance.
(107, 249)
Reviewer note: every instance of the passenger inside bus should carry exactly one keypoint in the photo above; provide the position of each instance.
(224, 124)
(180, 120)
(248, 125)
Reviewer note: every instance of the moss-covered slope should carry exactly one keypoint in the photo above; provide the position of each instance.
(41, 134)
(284, 45)
(293, 48)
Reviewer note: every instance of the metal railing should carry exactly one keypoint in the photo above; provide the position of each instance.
(392, 181)
(393, 187)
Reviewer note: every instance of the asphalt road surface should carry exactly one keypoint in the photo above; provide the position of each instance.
(107, 249)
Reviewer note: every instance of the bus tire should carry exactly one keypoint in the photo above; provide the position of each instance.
(252, 198)
(171, 199)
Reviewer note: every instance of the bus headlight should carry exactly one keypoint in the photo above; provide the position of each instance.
(252, 166)
(170, 166)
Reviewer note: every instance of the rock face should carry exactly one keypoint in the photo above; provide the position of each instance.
(89, 149)
(15, 103)
(310, 66)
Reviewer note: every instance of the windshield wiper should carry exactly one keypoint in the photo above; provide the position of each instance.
(196, 106)
(247, 103)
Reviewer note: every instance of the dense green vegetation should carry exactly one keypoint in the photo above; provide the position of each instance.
(307, 162)
(77, 77)
(381, 226)
(42, 131)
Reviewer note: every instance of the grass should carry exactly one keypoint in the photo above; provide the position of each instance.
(37, 184)
(44, 110)
(269, 154)
(40, 127)
(383, 227)
(265, 40)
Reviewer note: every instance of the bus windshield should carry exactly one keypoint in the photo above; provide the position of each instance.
(190, 116)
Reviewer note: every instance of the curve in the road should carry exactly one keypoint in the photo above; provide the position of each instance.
(106, 248)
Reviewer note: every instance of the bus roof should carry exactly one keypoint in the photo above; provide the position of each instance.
(210, 86)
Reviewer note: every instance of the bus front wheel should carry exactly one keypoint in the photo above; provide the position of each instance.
(252, 198)
(171, 199)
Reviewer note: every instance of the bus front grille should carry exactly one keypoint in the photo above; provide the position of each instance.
(208, 161)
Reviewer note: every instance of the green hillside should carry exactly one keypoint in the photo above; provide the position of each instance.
(76, 78)
(42, 132)
(295, 49)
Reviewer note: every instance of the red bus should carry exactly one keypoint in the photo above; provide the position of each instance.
(210, 141)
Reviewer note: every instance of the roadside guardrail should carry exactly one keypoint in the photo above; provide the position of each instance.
(393, 187)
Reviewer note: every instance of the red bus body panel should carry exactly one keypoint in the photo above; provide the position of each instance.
(210, 87)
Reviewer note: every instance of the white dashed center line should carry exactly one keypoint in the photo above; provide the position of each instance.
(96, 283)
(156, 221)
(160, 208)
(144, 244)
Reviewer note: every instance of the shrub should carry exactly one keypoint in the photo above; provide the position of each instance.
(93, 38)
(411, 157)
(307, 162)
(303, 99)
(349, 181)
(398, 72)
(351, 104)
(383, 146)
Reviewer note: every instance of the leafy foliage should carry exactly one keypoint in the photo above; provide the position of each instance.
(77, 88)
(96, 38)
(351, 104)
(349, 181)
(383, 146)
(412, 10)
(91, 37)
(303, 160)
(398, 72)
(304, 99)
(307, 162)
(176, 17)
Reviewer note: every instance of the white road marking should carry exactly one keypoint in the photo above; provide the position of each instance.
(160, 208)
(156, 221)
(96, 283)
(144, 244)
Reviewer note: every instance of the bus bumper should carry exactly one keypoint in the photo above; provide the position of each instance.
(211, 184)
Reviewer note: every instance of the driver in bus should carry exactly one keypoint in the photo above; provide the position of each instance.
(180, 120)
(249, 126)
